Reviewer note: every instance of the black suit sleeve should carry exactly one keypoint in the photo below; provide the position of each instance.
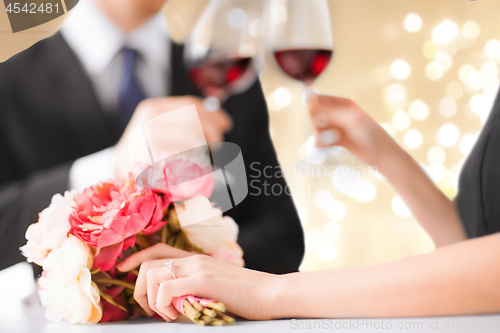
(49, 117)
(271, 235)
(270, 231)
(22, 197)
(20, 203)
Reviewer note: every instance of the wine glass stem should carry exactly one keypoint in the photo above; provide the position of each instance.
(308, 91)
(211, 104)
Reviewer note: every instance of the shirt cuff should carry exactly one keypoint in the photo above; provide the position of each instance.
(92, 169)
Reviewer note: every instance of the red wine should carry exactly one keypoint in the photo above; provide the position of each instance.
(221, 76)
(303, 64)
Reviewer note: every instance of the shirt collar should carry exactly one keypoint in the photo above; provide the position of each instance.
(96, 40)
(152, 42)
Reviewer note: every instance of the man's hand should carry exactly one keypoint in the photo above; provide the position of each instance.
(174, 135)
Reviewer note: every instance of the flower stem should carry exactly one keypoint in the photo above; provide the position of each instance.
(141, 241)
(163, 234)
(111, 301)
(116, 282)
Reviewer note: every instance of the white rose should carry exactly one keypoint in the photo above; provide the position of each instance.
(66, 288)
(215, 235)
(229, 251)
(51, 229)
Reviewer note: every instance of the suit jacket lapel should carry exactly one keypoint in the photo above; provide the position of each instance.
(83, 103)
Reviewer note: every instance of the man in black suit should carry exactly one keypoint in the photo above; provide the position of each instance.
(57, 109)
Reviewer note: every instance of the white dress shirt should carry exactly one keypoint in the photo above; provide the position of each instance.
(97, 43)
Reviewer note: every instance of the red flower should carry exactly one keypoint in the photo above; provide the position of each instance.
(178, 179)
(109, 215)
(111, 312)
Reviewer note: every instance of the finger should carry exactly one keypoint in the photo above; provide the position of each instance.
(219, 118)
(339, 114)
(149, 280)
(224, 120)
(325, 103)
(176, 288)
(213, 133)
(164, 302)
(320, 120)
(159, 251)
(154, 279)
(182, 267)
(140, 292)
(141, 284)
(313, 103)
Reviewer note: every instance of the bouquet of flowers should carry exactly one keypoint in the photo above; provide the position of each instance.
(81, 236)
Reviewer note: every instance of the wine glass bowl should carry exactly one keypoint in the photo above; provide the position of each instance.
(221, 77)
(299, 37)
(303, 64)
(223, 54)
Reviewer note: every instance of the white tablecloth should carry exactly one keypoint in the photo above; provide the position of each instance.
(16, 317)
(31, 319)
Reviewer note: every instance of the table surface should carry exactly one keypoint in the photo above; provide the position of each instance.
(23, 318)
(20, 312)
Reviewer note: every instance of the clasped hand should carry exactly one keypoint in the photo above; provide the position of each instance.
(245, 292)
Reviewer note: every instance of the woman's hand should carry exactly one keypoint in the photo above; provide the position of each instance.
(340, 121)
(158, 251)
(245, 292)
(155, 252)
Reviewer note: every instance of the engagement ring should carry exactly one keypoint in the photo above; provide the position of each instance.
(170, 265)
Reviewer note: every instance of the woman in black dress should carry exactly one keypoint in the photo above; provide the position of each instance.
(462, 276)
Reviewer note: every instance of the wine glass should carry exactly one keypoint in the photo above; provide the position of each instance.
(299, 37)
(223, 54)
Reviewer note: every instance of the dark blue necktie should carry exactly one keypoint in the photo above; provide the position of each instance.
(130, 94)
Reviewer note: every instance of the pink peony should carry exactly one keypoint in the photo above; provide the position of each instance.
(108, 216)
(179, 178)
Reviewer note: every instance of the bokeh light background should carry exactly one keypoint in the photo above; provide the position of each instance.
(426, 70)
